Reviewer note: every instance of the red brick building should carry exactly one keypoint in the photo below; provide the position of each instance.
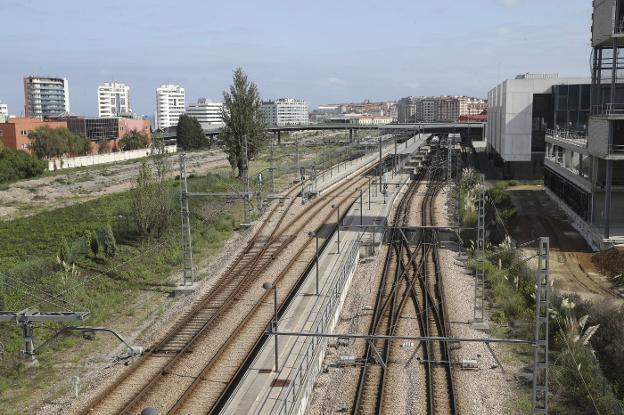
(14, 132)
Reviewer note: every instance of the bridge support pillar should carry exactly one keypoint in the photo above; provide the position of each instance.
(279, 137)
(350, 135)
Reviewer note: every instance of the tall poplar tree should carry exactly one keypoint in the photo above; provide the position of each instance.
(244, 132)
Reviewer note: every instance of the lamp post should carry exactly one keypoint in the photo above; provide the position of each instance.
(369, 195)
(337, 206)
(361, 218)
(269, 286)
(315, 235)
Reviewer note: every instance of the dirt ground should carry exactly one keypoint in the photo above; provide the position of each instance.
(571, 266)
(29, 197)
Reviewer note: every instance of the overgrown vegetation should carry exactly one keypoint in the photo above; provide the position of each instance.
(17, 165)
(97, 256)
(586, 339)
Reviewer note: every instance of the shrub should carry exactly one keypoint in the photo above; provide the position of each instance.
(107, 241)
(134, 140)
(17, 165)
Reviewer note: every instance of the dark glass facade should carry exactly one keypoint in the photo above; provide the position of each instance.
(571, 106)
(576, 198)
(541, 120)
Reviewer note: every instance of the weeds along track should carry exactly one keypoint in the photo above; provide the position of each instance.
(223, 325)
(410, 282)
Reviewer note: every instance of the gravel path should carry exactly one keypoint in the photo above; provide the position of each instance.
(487, 390)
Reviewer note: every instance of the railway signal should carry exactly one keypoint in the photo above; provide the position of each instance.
(270, 286)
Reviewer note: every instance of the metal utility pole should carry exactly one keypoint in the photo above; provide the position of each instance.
(187, 242)
(380, 164)
(245, 201)
(449, 168)
(395, 156)
(272, 168)
(297, 152)
(337, 206)
(540, 358)
(480, 271)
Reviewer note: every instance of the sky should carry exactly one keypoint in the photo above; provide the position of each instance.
(322, 51)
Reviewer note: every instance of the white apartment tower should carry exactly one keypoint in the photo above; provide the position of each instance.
(45, 96)
(4, 111)
(170, 105)
(209, 114)
(113, 99)
(285, 111)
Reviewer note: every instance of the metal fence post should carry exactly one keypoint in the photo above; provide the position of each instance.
(540, 358)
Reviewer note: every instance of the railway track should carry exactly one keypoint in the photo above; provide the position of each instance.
(189, 356)
(410, 283)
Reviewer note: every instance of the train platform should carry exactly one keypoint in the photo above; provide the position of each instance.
(266, 389)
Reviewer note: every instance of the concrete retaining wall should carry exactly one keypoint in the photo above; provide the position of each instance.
(72, 162)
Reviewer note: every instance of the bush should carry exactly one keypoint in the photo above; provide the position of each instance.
(134, 140)
(50, 143)
(107, 241)
(151, 204)
(17, 165)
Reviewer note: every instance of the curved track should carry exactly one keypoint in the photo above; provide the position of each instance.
(171, 358)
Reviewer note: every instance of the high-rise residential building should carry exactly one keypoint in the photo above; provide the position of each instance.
(4, 111)
(170, 104)
(285, 111)
(44, 96)
(113, 99)
(209, 114)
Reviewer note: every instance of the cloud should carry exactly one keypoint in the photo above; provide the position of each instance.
(331, 82)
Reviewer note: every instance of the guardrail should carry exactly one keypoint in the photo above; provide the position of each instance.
(608, 108)
(304, 368)
(577, 138)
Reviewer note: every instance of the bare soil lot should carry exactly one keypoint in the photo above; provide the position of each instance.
(571, 266)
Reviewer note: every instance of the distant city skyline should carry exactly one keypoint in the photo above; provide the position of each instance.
(321, 52)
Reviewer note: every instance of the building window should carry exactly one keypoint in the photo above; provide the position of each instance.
(24, 132)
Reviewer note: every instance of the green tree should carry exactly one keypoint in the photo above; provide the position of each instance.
(16, 165)
(134, 140)
(190, 134)
(51, 143)
(244, 131)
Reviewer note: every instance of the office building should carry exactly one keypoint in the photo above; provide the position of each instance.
(584, 166)
(209, 114)
(113, 99)
(285, 111)
(170, 104)
(520, 111)
(45, 96)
